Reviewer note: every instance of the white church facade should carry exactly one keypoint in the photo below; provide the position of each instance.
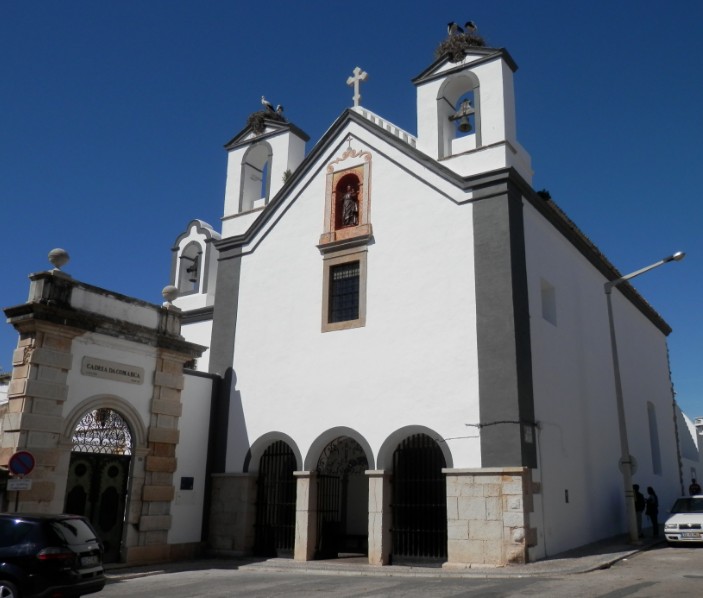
(393, 346)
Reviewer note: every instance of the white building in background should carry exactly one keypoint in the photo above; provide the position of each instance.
(394, 346)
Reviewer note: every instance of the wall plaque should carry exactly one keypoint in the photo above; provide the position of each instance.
(111, 370)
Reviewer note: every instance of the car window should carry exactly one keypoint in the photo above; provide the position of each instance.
(688, 505)
(73, 531)
(13, 532)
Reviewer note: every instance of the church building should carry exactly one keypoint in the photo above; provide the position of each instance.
(393, 346)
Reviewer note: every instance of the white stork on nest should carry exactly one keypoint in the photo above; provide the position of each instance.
(266, 104)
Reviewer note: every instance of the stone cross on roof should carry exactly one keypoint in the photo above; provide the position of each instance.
(358, 77)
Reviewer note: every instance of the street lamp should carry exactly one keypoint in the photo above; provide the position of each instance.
(625, 457)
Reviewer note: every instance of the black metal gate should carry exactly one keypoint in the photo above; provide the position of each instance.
(419, 502)
(275, 502)
(97, 487)
(98, 475)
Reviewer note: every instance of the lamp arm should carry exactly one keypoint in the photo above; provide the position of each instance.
(678, 256)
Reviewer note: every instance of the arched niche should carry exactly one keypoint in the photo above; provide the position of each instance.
(190, 267)
(347, 201)
(456, 90)
(256, 177)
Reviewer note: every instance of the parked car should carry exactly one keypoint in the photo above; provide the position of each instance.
(49, 555)
(686, 521)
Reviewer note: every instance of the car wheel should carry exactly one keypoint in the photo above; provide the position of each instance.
(8, 590)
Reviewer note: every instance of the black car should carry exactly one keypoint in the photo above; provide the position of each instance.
(49, 555)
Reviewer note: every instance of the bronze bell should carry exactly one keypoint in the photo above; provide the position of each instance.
(464, 124)
(462, 116)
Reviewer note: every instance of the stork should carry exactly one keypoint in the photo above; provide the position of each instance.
(453, 28)
(266, 104)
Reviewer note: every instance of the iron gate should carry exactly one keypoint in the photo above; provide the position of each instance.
(419, 502)
(98, 475)
(275, 502)
(96, 489)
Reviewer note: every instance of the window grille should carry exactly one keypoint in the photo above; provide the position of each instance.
(344, 292)
(102, 431)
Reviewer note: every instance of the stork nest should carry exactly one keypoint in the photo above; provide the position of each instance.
(456, 46)
(257, 120)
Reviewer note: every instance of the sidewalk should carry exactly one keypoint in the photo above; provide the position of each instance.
(592, 557)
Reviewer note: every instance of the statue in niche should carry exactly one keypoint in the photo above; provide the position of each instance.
(350, 207)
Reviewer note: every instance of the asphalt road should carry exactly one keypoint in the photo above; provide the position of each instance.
(656, 573)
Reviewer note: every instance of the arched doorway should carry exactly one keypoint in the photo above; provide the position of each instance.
(419, 528)
(275, 502)
(98, 475)
(342, 499)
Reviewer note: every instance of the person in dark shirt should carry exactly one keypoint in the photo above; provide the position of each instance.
(694, 488)
(652, 510)
(639, 507)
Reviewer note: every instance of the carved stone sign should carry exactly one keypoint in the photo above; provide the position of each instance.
(111, 370)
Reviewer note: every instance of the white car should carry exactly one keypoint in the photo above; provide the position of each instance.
(686, 521)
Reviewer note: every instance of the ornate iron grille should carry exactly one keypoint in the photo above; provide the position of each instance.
(419, 505)
(102, 431)
(275, 502)
(342, 456)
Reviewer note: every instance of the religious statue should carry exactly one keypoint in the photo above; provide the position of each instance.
(350, 207)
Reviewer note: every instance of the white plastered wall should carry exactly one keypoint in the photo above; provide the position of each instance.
(414, 363)
(199, 333)
(191, 455)
(578, 439)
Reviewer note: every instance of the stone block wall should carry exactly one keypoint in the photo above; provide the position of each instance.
(32, 418)
(232, 513)
(488, 516)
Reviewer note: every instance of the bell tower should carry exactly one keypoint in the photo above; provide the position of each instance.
(466, 112)
(260, 158)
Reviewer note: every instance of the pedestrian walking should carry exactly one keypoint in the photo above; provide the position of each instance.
(694, 488)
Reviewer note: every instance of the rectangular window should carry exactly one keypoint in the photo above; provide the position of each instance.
(344, 292)
(549, 302)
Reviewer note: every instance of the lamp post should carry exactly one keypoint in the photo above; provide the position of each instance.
(625, 457)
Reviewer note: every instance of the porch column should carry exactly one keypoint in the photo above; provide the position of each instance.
(305, 515)
(379, 517)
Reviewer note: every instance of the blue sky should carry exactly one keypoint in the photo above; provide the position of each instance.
(113, 116)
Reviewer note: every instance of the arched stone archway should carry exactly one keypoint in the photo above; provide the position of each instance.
(342, 499)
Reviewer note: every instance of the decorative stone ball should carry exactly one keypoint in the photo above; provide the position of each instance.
(170, 293)
(58, 257)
